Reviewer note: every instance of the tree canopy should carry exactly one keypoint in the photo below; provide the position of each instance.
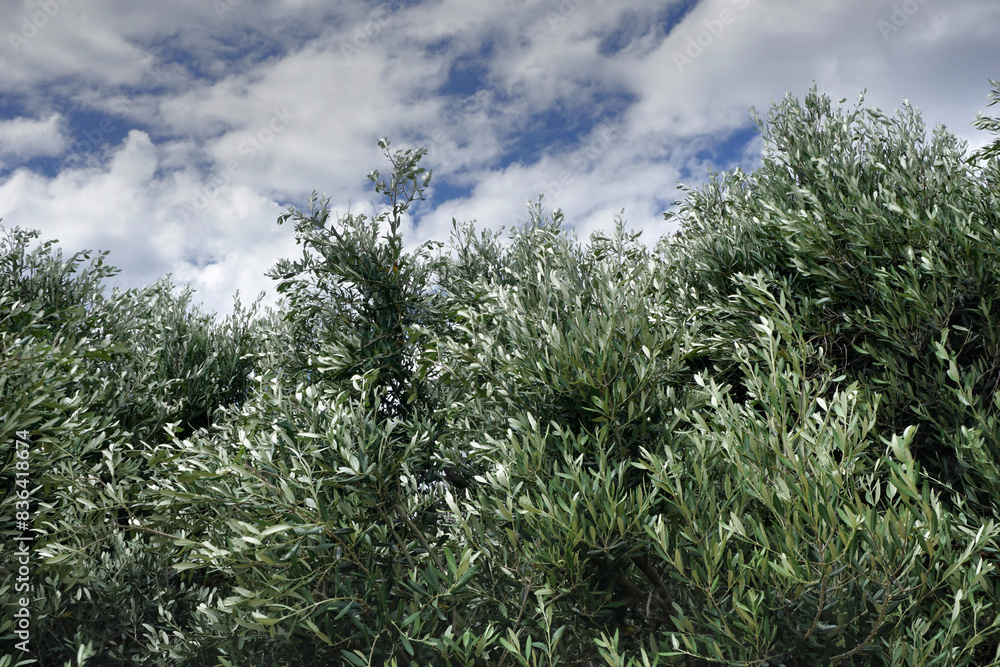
(772, 438)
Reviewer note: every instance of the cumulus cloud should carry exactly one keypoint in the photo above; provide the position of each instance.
(25, 138)
(131, 209)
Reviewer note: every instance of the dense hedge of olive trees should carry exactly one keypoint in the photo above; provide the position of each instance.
(770, 439)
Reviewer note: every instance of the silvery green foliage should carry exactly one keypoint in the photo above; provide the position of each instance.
(353, 300)
(771, 439)
(800, 500)
(990, 152)
(888, 241)
(86, 381)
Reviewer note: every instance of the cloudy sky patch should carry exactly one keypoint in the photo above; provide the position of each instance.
(174, 134)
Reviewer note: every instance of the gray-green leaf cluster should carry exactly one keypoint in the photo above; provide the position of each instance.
(770, 439)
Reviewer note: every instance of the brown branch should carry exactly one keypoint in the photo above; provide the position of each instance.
(664, 598)
(147, 530)
(420, 536)
(423, 541)
(399, 540)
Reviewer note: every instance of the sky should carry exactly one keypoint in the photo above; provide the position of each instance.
(173, 134)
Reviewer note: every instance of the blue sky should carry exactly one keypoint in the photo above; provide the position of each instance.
(174, 134)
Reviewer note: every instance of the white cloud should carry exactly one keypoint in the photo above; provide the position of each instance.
(245, 110)
(24, 138)
(124, 207)
(65, 38)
